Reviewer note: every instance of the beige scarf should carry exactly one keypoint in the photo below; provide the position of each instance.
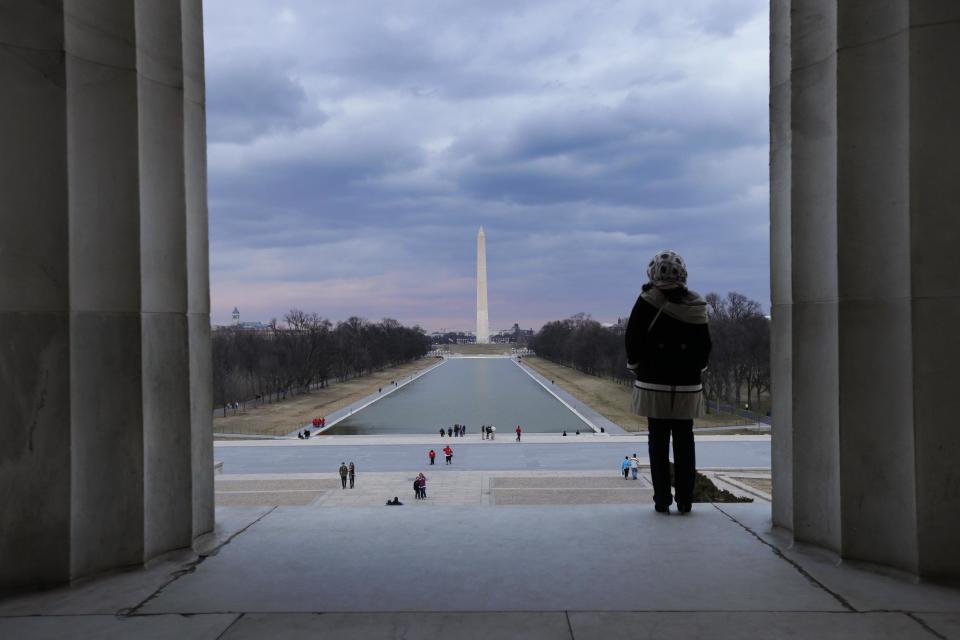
(692, 309)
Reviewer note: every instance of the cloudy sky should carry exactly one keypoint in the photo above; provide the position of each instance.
(356, 147)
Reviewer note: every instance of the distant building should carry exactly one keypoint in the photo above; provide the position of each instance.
(244, 326)
(512, 335)
(452, 337)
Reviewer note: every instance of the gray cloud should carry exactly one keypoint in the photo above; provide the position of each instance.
(355, 149)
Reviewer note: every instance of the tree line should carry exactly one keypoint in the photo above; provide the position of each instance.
(305, 352)
(739, 361)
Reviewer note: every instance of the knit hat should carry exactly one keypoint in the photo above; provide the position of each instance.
(667, 270)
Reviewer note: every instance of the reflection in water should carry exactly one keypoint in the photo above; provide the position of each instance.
(470, 391)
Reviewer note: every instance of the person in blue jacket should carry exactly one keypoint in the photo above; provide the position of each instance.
(626, 467)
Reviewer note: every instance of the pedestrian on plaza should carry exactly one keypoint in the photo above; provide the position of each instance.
(634, 466)
(668, 348)
(344, 470)
(416, 488)
(493, 432)
(626, 467)
(423, 486)
(353, 474)
(447, 451)
(518, 430)
(450, 432)
(442, 432)
(432, 455)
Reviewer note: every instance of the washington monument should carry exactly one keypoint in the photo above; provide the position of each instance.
(483, 318)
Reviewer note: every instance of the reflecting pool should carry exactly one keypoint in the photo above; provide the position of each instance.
(470, 391)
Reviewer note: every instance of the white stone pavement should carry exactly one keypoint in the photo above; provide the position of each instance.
(430, 439)
(501, 554)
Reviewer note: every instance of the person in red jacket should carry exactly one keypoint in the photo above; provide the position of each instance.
(433, 456)
(519, 431)
(447, 451)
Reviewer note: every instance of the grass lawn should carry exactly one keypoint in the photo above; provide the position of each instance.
(610, 399)
(280, 418)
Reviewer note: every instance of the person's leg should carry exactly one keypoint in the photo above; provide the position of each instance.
(685, 463)
(343, 482)
(658, 447)
(634, 471)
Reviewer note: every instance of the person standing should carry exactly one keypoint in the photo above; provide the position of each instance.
(416, 488)
(343, 475)
(449, 432)
(442, 432)
(423, 486)
(493, 432)
(447, 451)
(668, 348)
(353, 474)
(432, 455)
(634, 465)
(518, 430)
(625, 467)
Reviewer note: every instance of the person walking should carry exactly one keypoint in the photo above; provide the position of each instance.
(447, 451)
(353, 474)
(343, 474)
(449, 432)
(625, 467)
(668, 348)
(519, 431)
(432, 455)
(416, 488)
(442, 432)
(634, 466)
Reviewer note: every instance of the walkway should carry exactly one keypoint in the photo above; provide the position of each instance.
(537, 451)
(564, 572)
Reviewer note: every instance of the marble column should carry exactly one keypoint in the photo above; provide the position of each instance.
(198, 273)
(868, 320)
(105, 369)
(34, 298)
(781, 309)
(813, 257)
(934, 90)
(105, 356)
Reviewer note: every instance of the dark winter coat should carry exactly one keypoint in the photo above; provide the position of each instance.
(668, 347)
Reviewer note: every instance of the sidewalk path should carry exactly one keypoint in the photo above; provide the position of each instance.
(591, 453)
